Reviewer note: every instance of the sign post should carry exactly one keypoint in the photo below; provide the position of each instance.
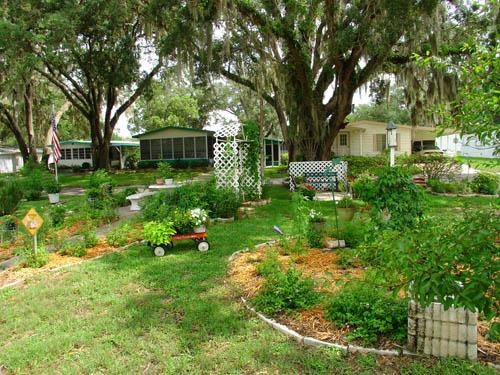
(32, 221)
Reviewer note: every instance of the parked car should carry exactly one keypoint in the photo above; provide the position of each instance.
(426, 147)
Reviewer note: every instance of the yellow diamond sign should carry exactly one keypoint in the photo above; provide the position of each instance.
(32, 221)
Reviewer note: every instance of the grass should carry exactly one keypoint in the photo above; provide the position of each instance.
(130, 312)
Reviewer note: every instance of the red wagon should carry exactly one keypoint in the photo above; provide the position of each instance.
(200, 238)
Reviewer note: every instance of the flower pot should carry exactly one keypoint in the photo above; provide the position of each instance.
(160, 181)
(169, 181)
(318, 226)
(53, 197)
(200, 229)
(346, 214)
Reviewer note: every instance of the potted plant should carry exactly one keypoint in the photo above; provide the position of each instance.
(198, 218)
(346, 209)
(158, 234)
(52, 188)
(165, 172)
(316, 220)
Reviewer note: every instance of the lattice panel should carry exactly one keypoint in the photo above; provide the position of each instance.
(247, 180)
(313, 170)
(230, 130)
(226, 164)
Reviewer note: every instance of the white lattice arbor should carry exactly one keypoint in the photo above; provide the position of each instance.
(230, 162)
(318, 173)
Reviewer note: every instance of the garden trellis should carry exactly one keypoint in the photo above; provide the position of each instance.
(231, 157)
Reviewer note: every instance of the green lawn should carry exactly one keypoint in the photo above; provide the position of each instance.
(130, 312)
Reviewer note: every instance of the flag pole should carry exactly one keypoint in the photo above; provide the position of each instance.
(53, 125)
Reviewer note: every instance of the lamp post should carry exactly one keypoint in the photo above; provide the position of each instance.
(391, 140)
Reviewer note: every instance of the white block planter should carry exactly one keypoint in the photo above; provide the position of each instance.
(434, 331)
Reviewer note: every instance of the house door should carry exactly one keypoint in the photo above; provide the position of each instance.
(343, 144)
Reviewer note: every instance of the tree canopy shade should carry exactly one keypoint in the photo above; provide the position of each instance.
(307, 58)
(92, 50)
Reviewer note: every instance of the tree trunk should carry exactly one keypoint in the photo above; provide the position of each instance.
(11, 121)
(33, 155)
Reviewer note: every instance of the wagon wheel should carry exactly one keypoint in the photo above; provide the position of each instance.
(203, 245)
(160, 250)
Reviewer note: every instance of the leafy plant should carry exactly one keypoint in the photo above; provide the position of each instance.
(346, 202)
(33, 259)
(11, 193)
(493, 333)
(484, 183)
(165, 169)
(51, 186)
(117, 237)
(57, 213)
(225, 203)
(285, 292)
(99, 189)
(437, 167)
(90, 238)
(158, 232)
(270, 265)
(394, 192)
(454, 263)
(370, 313)
(74, 249)
(32, 184)
(314, 237)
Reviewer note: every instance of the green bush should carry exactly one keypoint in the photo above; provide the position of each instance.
(224, 203)
(437, 167)
(393, 191)
(358, 165)
(90, 238)
(99, 189)
(369, 312)
(33, 182)
(32, 259)
(270, 265)
(11, 193)
(452, 187)
(120, 198)
(314, 237)
(158, 232)
(484, 183)
(285, 292)
(493, 333)
(56, 213)
(117, 237)
(356, 232)
(74, 249)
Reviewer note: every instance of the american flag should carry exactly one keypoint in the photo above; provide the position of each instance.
(55, 139)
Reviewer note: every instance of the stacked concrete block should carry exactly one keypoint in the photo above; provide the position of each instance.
(432, 330)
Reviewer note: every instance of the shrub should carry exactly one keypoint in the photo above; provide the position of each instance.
(99, 189)
(74, 249)
(285, 292)
(51, 186)
(437, 167)
(157, 207)
(270, 265)
(33, 182)
(394, 192)
(369, 312)
(225, 203)
(484, 183)
(454, 263)
(120, 198)
(165, 169)
(493, 333)
(359, 165)
(57, 213)
(355, 232)
(90, 238)
(11, 194)
(314, 237)
(32, 259)
(117, 237)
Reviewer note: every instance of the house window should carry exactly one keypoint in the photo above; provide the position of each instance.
(156, 149)
(343, 139)
(145, 149)
(68, 153)
(380, 142)
(201, 147)
(178, 148)
(166, 148)
(81, 153)
(88, 154)
(189, 147)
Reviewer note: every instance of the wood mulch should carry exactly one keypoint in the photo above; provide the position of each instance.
(322, 265)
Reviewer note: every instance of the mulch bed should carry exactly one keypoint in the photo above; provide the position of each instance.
(323, 266)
